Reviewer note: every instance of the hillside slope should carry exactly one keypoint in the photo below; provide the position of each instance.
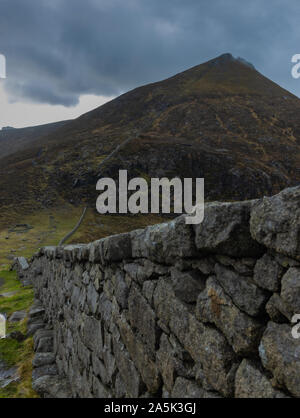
(15, 140)
(221, 120)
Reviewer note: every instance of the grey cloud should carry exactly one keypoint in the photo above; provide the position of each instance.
(59, 49)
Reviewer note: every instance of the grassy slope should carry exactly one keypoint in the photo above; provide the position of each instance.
(50, 225)
(12, 352)
(13, 140)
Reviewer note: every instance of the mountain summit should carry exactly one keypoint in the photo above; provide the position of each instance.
(227, 58)
(221, 120)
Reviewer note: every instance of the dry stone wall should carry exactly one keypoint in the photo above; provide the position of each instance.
(174, 310)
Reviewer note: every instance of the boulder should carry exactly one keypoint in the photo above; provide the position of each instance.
(243, 266)
(225, 230)
(268, 273)
(142, 318)
(46, 370)
(187, 285)
(133, 384)
(290, 290)
(43, 341)
(214, 306)
(22, 263)
(243, 291)
(117, 248)
(251, 382)
(275, 222)
(170, 359)
(121, 289)
(279, 353)
(43, 359)
(277, 309)
(52, 387)
(17, 316)
(203, 343)
(143, 359)
(184, 388)
(164, 243)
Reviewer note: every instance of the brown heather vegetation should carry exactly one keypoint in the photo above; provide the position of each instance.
(221, 120)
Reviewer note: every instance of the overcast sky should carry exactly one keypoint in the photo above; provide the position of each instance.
(65, 57)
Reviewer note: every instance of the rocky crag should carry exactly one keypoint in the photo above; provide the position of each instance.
(174, 310)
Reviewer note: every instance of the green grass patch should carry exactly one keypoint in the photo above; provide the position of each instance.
(22, 300)
(12, 352)
(11, 391)
(11, 283)
(49, 226)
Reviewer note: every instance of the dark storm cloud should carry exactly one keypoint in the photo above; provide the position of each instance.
(59, 49)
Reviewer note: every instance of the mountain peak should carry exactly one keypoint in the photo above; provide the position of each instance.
(228, 57)
(225, 57)
(245, 62)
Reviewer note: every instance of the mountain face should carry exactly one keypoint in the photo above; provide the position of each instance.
(221, 120)
(13, 140)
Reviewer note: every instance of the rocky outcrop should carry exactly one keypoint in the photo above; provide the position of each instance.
(174, 310)
(21, 265)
